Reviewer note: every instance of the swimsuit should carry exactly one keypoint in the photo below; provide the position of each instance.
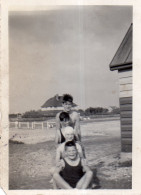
(62, 137)
(72, 174)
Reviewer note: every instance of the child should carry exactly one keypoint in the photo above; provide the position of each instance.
(60, 152)
(73, 173)
(67, 103)
(64, 120)
(69, 136)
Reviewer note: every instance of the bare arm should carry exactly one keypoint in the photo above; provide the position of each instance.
(77, 126)
(79, 149)
(57, 135)
(85, 166)
(58, 155)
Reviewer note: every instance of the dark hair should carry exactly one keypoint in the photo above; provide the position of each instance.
(69, 144)
(64, 116)
(67, 98)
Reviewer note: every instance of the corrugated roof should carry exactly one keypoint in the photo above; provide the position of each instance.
(55, 101)
(123, 55)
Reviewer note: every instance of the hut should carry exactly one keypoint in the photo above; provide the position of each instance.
(54, 103)
(122, 62)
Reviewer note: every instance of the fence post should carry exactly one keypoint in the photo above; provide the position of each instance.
(32, 125)
(28, 125)
(16, 124)
(47, 124)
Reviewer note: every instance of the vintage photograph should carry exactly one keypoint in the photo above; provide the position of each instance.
(70, 97)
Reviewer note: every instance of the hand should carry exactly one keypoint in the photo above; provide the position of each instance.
(78, 142)
(60, 164)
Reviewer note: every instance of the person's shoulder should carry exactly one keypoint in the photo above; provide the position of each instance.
(57, 115)
(75, 113)
(62, 162)
(78, 146)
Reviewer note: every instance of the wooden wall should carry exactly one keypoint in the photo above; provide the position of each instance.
(125, 93)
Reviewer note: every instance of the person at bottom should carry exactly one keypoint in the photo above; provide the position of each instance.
(73, 173)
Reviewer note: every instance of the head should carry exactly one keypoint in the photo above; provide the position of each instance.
(69, 133)
(71, 150)
(67, 102)
(64, 119)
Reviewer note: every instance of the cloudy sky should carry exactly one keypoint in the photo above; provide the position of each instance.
(65, 49)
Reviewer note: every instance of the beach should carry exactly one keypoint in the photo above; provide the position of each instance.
(33, 155)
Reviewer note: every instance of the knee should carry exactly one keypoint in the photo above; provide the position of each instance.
(90, 174)
(55, 175)
(52, 170)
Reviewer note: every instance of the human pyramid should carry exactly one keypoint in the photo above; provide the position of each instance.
(71, 170)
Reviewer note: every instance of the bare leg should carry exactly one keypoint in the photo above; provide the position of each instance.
(52, 170)
(85, 181)
(88, 178)
(60, 182)
(54, 184)
(80, 182)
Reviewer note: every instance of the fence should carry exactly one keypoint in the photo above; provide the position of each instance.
(32, 125)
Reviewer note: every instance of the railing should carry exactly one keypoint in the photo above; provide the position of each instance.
(32, 125)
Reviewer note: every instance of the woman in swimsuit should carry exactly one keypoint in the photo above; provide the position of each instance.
(65, 121)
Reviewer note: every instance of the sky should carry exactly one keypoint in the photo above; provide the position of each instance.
(65, 49)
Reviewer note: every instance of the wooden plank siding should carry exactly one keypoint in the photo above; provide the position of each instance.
(126, 101)
(126, 134)
(126, 140)
(126, 114)
(125, 80)
(125, 73)
(126, 107)
(125, 94)
(125, 87)
(126, 123)
(126, 147)
(125, 83)
(126, 127)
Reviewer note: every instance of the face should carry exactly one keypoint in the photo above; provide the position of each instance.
(69, 136)
(67, 106)
(71, 152)
(65, 123)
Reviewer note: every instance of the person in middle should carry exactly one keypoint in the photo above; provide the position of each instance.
(69, 135)
(65, 121)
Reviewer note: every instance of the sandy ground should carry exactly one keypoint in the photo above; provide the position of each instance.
(29, 163)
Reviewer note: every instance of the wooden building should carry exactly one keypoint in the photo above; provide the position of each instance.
(122, 61)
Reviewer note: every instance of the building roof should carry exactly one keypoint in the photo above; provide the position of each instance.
(55, 101)
(123, 56)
